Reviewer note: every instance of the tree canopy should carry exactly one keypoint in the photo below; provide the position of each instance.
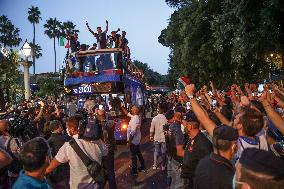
(9, 34)
(151, 77)
(227, 41)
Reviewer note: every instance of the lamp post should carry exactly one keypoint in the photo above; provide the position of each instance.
(27, 50)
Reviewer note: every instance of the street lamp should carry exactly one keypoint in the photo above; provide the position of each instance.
(27, 52)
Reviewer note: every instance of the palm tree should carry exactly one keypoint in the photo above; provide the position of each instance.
(34, 17)
(36, 50)
(68, 26)
(53, 27)
(9, 34)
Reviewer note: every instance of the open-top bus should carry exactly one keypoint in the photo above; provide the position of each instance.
(106, 73)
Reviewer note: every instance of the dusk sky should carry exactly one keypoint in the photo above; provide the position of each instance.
(143, 21)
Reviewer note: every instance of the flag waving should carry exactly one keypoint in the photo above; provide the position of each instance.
(182, 82)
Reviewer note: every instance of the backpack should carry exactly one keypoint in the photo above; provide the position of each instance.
(170, 138)
(95, 170)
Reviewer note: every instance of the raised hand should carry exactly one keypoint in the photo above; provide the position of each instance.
(41, 103)
(263, 96)
(190, 89)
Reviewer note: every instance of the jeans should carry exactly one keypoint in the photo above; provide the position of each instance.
(160, 147)
(174, 180)
(109, 165)
(135, 152)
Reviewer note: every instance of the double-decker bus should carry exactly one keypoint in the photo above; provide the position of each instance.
(105, 73)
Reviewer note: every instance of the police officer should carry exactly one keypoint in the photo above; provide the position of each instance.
(197, 147)
(217, 165)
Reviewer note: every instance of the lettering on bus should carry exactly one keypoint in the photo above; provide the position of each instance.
(82, 90)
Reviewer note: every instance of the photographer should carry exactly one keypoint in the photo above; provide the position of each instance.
(95, 150)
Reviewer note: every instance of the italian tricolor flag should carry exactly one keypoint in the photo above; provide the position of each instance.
(182, 82)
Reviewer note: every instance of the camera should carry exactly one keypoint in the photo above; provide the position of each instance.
(21, 127)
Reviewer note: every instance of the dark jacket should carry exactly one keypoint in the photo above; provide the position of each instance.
(214, 172)
(55, 142)
(196, 149)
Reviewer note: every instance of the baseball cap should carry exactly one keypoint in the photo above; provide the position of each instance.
(225, 132)
(261, 161)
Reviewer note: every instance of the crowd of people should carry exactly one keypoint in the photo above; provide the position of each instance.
(104, 41)
(221, 139)
(203, 139)
(36, 149)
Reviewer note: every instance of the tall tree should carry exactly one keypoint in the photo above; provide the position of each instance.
(9, 77)
(36, 50)
(151, 77)
(227, 41)
(68, 26)
(34, 17)
(9, 34)
(53, 27)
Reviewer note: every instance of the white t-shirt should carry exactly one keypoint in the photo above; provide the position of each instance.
(71, 108)
(157, 127)
(134, 129)
(79, 176)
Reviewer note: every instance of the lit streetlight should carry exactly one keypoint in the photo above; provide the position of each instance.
(27, 52)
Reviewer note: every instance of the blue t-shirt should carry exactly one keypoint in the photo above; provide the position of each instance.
(27, 182)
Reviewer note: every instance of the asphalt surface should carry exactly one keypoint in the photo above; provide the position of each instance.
(155, 179)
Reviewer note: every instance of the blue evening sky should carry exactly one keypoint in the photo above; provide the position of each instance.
(143, 21)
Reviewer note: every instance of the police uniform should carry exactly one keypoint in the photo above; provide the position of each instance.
(213, 167)
(196, 149)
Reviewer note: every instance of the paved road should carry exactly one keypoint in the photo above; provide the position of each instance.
(152, 179)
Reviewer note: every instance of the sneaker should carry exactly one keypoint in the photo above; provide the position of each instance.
(142, 169)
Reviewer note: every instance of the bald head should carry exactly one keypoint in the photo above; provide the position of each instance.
(135, 110)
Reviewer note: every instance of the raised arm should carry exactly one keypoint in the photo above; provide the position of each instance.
(118, 29)
(274, 116)
(221, 117)
(202, 116)
(124, 110)
(40, 112)
(106, 30)
(87, 24)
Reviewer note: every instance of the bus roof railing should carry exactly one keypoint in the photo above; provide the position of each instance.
(98, 51)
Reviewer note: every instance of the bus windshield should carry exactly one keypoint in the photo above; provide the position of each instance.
(100, 62)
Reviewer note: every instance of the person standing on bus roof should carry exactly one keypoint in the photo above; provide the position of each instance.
(101, 36)
(123, 41)
(114, 38)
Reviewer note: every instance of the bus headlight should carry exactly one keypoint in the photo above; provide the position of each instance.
(124, 126)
